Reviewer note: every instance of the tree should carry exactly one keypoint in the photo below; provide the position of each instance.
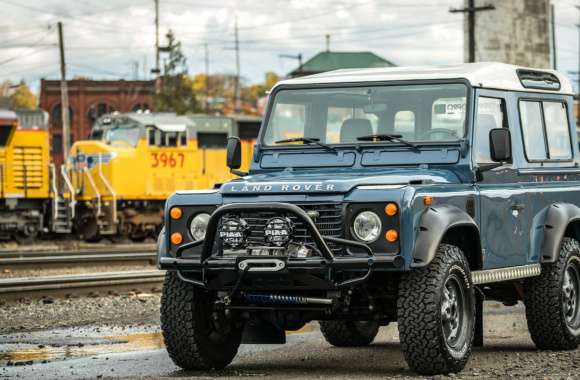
(22, 98)
(176, 90)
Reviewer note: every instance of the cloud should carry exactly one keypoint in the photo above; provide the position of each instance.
(105, 38)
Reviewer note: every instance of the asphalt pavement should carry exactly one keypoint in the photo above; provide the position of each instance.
(110, 351)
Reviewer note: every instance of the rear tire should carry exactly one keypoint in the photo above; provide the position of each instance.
(436, 314)
(197, 336)
(349, 333)
(553, 301)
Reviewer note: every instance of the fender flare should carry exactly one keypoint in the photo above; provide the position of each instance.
(558, 218)
(161, 246)
(431, 229)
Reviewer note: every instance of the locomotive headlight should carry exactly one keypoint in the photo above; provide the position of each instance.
(198, 226)
(367, 226)
(233, 232)
(278, 231)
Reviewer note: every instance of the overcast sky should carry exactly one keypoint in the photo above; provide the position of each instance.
(108, 38)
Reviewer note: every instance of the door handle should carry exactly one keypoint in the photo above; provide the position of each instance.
(518, 206)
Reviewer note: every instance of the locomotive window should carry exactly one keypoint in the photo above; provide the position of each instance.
(171, 139)
(152, 137)
(212, 140)
(5, 131)
(183, 139)
(248, 130)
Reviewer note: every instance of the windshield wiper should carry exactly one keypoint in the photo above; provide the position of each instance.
(390, 138)
(307, 141)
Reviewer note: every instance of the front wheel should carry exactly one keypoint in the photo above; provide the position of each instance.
(436, 314)
(553, 301)
(197, 335)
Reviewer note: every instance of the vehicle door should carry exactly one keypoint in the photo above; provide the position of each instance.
(504, 220)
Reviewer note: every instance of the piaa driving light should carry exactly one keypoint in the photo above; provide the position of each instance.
(198, 226)
(278, 231)
(367, 226)
(233, 232)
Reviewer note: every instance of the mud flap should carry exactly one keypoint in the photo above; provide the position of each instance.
(478, 338)
(262, 332)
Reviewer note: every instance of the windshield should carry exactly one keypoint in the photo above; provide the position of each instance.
(122, 136)
(418, 113)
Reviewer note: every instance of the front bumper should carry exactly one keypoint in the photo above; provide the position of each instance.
(199, 270)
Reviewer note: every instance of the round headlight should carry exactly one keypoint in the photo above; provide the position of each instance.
(367, 226)
(198, 226)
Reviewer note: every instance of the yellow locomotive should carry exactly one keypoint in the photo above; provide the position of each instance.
(25, 191)
(132, 162)
(116, 182)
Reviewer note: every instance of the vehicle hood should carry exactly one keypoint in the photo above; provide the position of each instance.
(335, 181)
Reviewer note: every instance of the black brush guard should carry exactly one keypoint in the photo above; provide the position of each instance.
(328, 260)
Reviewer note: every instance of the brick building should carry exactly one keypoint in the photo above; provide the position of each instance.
(89, 99)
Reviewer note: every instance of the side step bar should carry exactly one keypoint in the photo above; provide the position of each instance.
(505, 274)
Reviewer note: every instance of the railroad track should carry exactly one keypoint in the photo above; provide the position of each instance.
(99, 283)
(15, 260)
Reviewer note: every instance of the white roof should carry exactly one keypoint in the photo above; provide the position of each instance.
(491, 75)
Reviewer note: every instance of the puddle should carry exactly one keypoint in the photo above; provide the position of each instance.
(119, 344)
(144, 341)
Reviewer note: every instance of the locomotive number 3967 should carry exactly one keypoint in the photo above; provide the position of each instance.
(164, 160)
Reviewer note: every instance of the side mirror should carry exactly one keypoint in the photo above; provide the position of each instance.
(234, 153)
(500, 145)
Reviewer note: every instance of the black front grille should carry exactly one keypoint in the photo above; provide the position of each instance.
(329, 223)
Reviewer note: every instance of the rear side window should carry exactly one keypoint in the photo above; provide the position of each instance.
(557, 130)
(545, 130)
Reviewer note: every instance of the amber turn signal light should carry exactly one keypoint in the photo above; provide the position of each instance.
(175, 213)
(391, 209)
(428, 201)
(392, 236)
(176, 238)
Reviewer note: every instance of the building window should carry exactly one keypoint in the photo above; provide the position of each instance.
(56, 114)
(140, 107)
(97, 110)
(56, 145)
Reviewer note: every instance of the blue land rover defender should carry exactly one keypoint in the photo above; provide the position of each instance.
(406, 195)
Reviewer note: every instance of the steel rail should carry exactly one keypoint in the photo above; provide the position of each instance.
(30, 259)
(5, 252)
(23, 285)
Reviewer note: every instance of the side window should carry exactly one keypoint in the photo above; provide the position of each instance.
(533, 130)
(490, 115)
(557, 131)
(404, 124)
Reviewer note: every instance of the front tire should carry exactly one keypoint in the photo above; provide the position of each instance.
(349, 333)
(196, 335)
(553, 301)
(436, 314)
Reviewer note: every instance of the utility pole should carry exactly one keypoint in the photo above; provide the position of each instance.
(157, 69)
(298, 57)
(327, 38)
(63, 98)
(471, 10)
(237, 82)
(553, 22)
(578, 25)
(206, 49)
